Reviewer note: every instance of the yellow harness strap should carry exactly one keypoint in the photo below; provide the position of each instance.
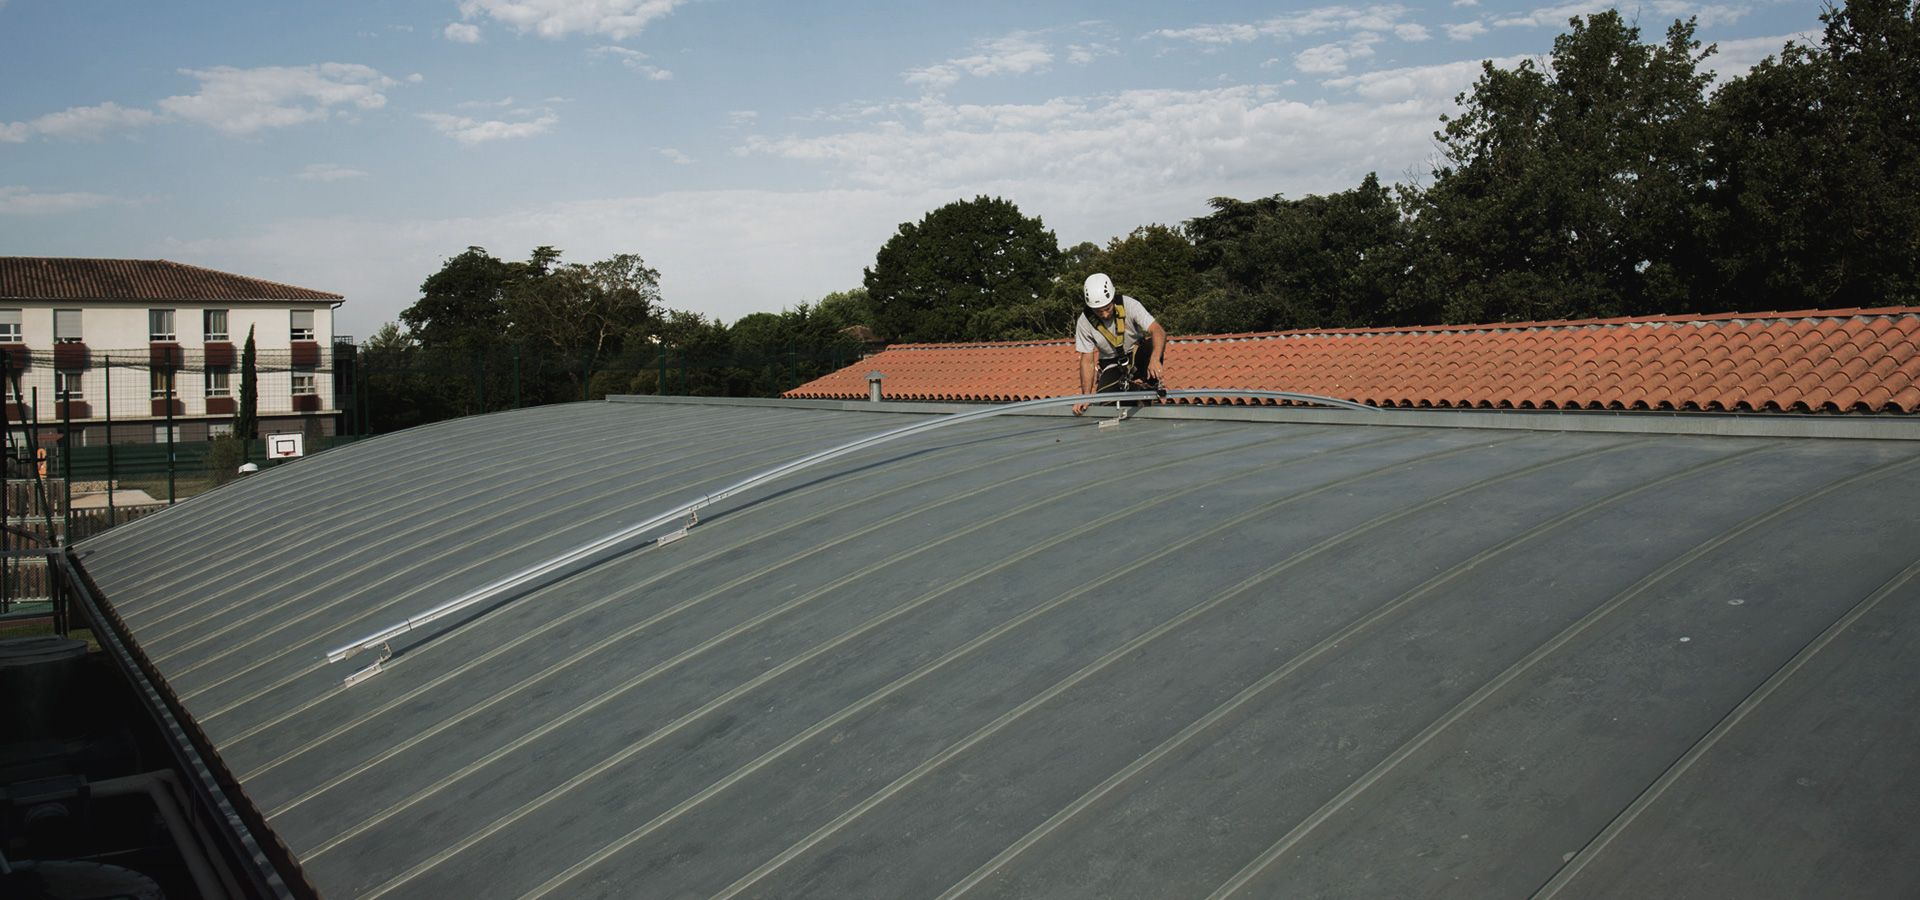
(1116, 338)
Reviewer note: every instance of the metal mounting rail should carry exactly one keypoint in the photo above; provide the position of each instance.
(586, 554)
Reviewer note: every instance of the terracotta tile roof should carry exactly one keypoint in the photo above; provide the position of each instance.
(1837, 360)
(66, 278)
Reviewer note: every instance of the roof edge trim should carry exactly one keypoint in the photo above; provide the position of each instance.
(1726, 424)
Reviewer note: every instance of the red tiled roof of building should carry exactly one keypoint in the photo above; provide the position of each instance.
(67, 278)
(1837, 360)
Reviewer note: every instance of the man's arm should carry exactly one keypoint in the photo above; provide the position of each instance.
(1157, 362)
(1089, 368)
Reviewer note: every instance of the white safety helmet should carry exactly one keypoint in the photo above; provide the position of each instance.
(1099, 290)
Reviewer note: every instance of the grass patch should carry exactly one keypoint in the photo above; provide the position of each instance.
(183, 486)
(40, 627)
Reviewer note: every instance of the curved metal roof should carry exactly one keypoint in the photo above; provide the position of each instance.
(1187, 656)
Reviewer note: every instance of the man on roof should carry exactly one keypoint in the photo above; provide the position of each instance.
(1121, 347)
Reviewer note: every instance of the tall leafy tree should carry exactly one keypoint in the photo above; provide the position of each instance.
(1571, 189)
(1155, 264)
(1321, 261)
(1159, 265)
(463, 304)
(578, 315)
(1814, 170)
(953, 275)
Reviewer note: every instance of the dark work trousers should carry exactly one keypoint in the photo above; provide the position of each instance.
(1114, 377)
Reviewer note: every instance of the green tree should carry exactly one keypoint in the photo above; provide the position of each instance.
(953, 275)
(463, 304)
(398, 395)
(1155, 264)
(1159, 265)
(1334, 261)
(246, 420)
(848, 310)
(578, 315)
(1814, 170)
(697, 353)
(1571, 190)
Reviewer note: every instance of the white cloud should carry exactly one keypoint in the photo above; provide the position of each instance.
(743, 117)
(721, 253)
(1553, 16)
(1432, 87)
(1460, 3)
(20, 201)
(1332, 59)
(1091, 168)
(1465, 31)
(476, 131)
(1082, 54)
(1653, 16)
(635, 60)
(1164, 144)
(79, 122)
(329, 172)
(1210, 34)
(242, 101)
(1304, 24)
(616, 19)
(1733, 59)
(462, 33)
(675, 156)
(1412, 34)
(1015, 54)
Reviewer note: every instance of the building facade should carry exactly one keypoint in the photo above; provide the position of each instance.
(135, 351)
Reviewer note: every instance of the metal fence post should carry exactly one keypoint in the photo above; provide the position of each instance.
(170, 427)
(112, 475)
(6, 493)
(66, 470)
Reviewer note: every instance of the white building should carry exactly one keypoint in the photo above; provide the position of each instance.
(150, 344)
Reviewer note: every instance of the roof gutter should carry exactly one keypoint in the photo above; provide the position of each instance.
(266, 865)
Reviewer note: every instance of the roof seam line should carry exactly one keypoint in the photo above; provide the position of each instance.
(1572, 869)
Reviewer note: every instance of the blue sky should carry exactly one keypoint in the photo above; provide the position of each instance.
(756, 153)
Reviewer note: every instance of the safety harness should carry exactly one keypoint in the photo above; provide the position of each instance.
(1117, 335)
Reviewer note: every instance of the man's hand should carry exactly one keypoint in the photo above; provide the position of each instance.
(1079, 408)
(1155, 369)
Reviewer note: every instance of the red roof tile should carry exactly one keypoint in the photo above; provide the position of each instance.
(1840, 360)
(60, 278)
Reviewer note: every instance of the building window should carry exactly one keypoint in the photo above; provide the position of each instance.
(218, 430)
(67, 386)
(216, 325)
(164, 433)
(160, 325)
(303, 381)
(162, 379)
(9, 326)
(66, 326)
(302, 324)
(219, 383)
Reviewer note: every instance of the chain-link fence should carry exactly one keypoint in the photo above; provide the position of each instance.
(94, 438)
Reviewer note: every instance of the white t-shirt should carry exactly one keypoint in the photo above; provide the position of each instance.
(1087, 338)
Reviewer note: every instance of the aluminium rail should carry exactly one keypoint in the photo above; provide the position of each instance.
(581, 557)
